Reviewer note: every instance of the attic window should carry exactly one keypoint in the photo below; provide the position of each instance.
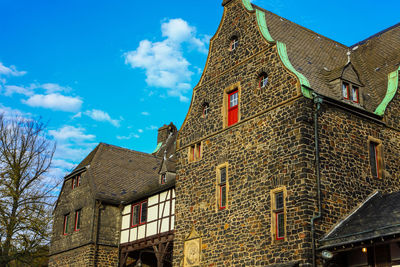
(263, 80)
(163, 178)
(234, 43)
(353, 94)
(206, 109)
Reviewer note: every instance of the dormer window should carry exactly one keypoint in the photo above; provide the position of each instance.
(346, 91)
(234, 43)
(163, 178)
(353, 94)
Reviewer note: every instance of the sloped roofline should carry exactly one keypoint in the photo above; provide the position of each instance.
(375, 35)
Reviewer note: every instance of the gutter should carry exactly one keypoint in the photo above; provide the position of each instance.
(318, 101)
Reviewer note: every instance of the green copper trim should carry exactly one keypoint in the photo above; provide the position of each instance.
(393, 83)
(282, 51)
(262, 24)
(247, 5)
(157, 148)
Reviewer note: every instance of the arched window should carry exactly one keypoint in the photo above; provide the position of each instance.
(234, 43)
(262, 80)
(205, 109)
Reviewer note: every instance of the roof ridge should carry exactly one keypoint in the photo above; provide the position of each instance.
(375, 35)
(300, 26)
(129, 150)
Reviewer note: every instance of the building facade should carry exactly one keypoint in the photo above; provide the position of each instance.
(288, 132)
(96, 200)
(289, 155)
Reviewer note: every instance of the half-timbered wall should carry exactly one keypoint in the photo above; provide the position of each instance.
(160, 218)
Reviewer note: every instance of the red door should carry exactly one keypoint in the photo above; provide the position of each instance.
(233, 105)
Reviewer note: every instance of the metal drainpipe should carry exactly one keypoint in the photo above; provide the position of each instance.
(318, 101)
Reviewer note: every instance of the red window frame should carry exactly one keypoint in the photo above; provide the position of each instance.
(77, 225)
(347, 86)
(233, 110)
(222, 205)
(199, 150)
(66, 224)
(355, 91)
(78, 180)
(278, 225)
(73, 182)
(140, 211)
(163, 178)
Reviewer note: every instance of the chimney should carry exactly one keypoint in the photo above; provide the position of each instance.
(164, 131)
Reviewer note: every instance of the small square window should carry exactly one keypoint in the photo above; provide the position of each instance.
(135, 215)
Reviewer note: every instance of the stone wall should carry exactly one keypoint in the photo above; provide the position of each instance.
(85, 256)
(270, 147)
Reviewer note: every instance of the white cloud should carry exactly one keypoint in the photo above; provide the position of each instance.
(99, 115)
(77, 115)
(164, 63)
(10, 112)
(130, 136)
(55, 102)
(13, 89)
(71, 133)
(145, 113)
(140, 130)
(152, 127)
(10, 71)
(53, 88)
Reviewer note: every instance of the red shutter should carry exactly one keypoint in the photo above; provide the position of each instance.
(233, 104)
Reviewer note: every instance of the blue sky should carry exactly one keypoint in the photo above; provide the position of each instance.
(115, 71)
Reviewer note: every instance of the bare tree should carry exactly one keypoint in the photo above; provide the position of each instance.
(25, 191)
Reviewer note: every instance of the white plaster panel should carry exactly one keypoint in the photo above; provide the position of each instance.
(126, 210)
(172, 222)
(142, 231)
(163, 196)
(151, 229)
(152, 213)
(152, 200)
(124, 236)
(173, 206)
(125, 221)
(133, 236)
(173, 193)
(165, 225)
(167, 208)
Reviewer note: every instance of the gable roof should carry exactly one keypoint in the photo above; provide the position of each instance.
(119, 175)
(315, 56)
(378, 216)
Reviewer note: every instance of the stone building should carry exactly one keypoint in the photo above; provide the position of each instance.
(95, 197)
(290, 143)
(289, 155)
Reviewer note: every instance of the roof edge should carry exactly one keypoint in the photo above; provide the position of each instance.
(371, 196)
(375, 35)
